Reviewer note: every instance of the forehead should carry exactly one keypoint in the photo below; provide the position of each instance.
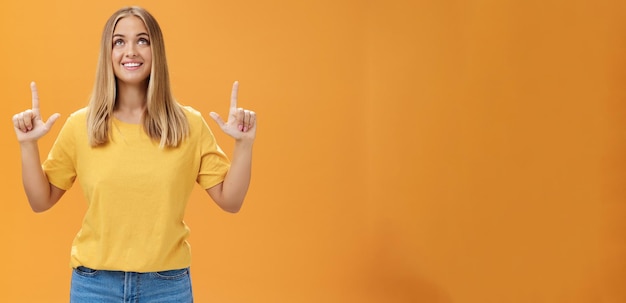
(130, 25)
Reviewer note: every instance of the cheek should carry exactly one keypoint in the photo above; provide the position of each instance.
(147, 57)
(115, 56)
(147, 54)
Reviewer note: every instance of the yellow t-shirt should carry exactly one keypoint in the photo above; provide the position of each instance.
(136, 192)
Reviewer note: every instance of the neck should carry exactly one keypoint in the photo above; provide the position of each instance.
(131, 102)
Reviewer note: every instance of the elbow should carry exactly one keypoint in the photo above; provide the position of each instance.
(233, 209)
(231, 206)
(40, 206)
(38, 209)
(230, 203)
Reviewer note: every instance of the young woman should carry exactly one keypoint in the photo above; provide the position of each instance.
(137, 154)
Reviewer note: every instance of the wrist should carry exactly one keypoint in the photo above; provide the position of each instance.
(28, 143)
(244, 143)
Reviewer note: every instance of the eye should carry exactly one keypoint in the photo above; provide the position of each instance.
(118, 42)
(143, 41)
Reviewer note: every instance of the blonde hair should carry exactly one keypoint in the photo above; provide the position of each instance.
(164, 119)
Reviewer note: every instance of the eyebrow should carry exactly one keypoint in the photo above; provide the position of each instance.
(140, 34)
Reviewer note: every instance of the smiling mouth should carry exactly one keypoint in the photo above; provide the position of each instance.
(131, 64)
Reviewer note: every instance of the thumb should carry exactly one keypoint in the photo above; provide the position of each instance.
(217, 118)
(51, 120)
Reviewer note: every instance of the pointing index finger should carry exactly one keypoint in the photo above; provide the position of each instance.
(233, 95)
(35, 94)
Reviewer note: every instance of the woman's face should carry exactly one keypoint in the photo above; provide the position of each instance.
(131, 55)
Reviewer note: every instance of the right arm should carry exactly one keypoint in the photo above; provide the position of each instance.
(29, 127)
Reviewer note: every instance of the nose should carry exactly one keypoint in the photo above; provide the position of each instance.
(131, 51)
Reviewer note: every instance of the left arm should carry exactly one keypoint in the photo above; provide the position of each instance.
(241, 125)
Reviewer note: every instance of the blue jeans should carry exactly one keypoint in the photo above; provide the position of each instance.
(102, 286)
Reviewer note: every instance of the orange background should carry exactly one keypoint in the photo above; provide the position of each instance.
(407, 151)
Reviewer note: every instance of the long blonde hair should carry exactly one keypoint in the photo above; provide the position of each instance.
(164, 119)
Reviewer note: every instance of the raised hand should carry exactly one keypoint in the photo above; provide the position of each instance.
(241, 123)
(28, 124)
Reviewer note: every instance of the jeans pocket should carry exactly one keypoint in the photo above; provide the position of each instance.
(85, 271)
(174, 274)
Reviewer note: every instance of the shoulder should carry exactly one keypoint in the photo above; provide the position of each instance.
(79, 114)
(197, 124)
(77, 117)
(193, 115)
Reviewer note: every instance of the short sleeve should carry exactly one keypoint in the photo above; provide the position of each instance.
(214, 163)
(60, 166)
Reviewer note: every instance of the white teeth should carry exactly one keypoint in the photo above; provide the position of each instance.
(132, 64)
